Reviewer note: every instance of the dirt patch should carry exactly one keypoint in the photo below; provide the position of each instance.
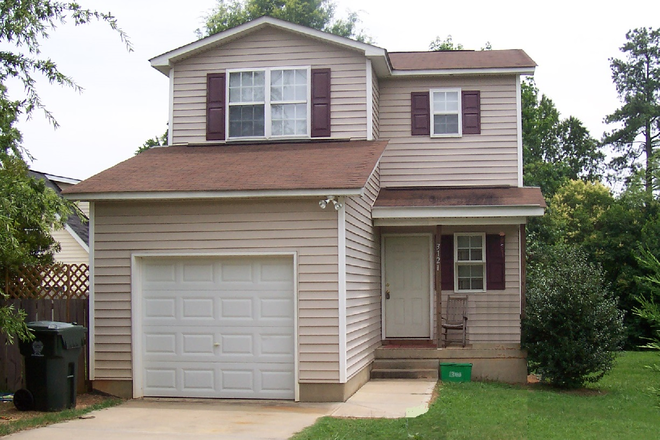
(9, 413)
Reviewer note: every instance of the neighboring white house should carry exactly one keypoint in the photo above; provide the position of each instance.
(74, 237)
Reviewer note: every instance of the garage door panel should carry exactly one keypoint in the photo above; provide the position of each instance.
(221, 327)
(232, 380)
(196, 308)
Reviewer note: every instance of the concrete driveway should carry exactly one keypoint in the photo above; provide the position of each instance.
(193, 419)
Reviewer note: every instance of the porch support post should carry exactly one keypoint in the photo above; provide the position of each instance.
(523, 270)
(438, 285)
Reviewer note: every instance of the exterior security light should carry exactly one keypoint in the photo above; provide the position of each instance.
(323, 203)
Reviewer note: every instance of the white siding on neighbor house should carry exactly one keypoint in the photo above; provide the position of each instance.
(71, 251)
(489, 158)
(257, 226)
(271, 48)
(84, 208)
(363, 316)
(494, 315)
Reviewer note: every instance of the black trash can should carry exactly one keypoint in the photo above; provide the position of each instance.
(51, 366)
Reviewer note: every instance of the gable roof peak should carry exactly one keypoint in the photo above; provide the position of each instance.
(164, 62)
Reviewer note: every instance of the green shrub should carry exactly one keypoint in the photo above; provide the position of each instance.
(572, 328)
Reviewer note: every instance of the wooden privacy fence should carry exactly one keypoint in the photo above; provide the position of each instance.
(47, 293)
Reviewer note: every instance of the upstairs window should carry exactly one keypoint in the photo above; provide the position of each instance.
(247, 104)
(445, 112)
(288, 97)
(269, 103)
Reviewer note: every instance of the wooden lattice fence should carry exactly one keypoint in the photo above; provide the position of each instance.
(46, 293)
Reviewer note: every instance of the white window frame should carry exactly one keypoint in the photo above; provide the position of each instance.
(481, 262)
(267, 103)
(458, 112)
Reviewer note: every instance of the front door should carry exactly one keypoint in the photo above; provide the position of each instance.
(407, 286)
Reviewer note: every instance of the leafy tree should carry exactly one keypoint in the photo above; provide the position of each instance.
(637, 81)
(22, 27)
(156, 141)
(572, 327)
(316, 14)
(447, 44)
(555, 150)
(649, 305)
(28, 210)
(576, 210)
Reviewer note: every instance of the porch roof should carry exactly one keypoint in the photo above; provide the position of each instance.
(452, 205)
(339, 168)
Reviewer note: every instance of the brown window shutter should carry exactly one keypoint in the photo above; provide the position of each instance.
(447, 262)
(215, 107)
(471, 100)
(320, 103)
(495, 274)
(420, 114)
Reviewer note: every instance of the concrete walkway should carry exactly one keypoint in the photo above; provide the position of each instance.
(174, 419)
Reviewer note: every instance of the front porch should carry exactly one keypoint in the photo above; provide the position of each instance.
(490, 362)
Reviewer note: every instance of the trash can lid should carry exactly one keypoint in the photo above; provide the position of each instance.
(46, 326)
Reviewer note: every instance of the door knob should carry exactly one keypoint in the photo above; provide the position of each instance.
(217, 344)
(387, 294)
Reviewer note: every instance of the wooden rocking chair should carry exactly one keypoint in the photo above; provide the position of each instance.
(456, 316)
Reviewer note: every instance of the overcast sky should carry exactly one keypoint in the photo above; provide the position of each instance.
(125, 100)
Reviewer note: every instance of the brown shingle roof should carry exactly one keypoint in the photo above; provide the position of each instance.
(255, 167)
(461, 59)
(437, 197)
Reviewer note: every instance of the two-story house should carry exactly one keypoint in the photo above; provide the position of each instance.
(320, 199)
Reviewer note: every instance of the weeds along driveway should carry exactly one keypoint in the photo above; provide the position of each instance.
(187, 419)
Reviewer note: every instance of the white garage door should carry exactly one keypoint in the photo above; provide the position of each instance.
(218, 327)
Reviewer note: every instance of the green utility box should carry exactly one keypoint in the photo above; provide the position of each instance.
(51, 366)
(453, 372)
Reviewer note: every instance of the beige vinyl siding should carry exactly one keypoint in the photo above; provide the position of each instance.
(375, 98)
(489, 158)
(271, 48)
(71, 251)
(84, 208)
(494, 315)
(363, 329)
(227, 227)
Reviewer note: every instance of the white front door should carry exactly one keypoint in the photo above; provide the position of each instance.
(218, 327)
(407, 286)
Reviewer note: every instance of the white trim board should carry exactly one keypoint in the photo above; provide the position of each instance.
(191, 195)
(91, 340)
(75, 236)
(457, 212)
(342, 300)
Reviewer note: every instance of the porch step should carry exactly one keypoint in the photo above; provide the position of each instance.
(405, 369)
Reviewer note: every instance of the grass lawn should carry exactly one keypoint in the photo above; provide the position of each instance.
(618, 407)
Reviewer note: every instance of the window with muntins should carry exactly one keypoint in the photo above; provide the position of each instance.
(470, 258)
(269, 103)
(446, 112)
